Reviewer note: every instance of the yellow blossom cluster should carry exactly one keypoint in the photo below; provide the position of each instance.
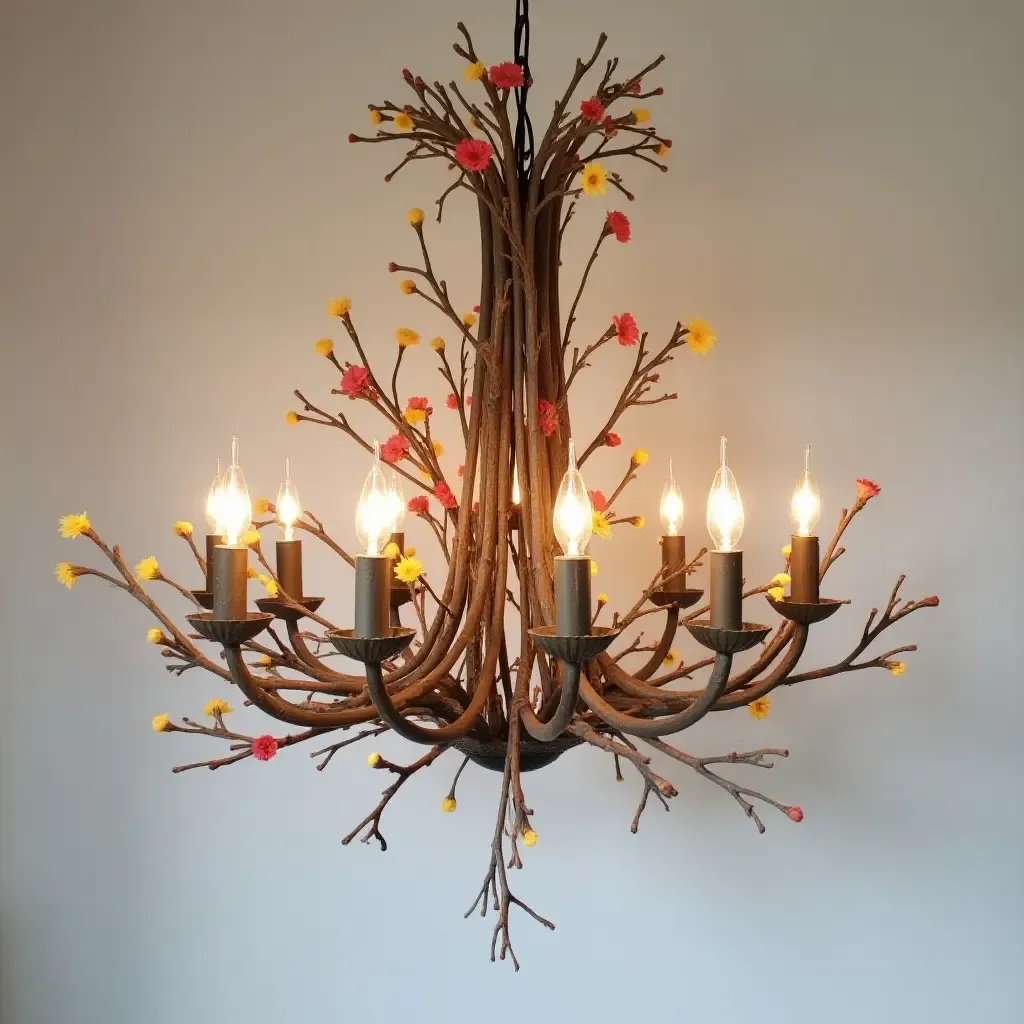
(640, 457)
(779, 582)
(161, 723)
(375, 116)
(702, 338)
(261, 506)
(448, 805)
(530, 837)
(154, 635)
(324, 347)
(403, 122)
(409, 569)
(216, 706)
(148, 569)
(474, 72)
(437, 344)
(373, 759)
(759, 708)
(74, 525)
(251, 537)
(415, 217)
(594, 179)
(897, 668)
(339, 307)
(407, 287)
(67, 573)
(670, 659)
(291, 417)
(602, 528)
(406, 336)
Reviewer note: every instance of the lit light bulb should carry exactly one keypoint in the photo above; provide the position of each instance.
(574, 515)
(396, 498)
(515, 483)
(671, 506)
(375, 511)
(725, 509)
(288, 506)
(805, 508)
(234, 506)
(213, 517)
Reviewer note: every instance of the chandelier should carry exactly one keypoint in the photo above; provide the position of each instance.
(512, 526)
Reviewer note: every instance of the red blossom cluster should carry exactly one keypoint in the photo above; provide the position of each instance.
(626, 329)
(618, 225)
(444, 495)
(598, 501)
(592, 109)
(473, 154)
(394, 449)
(355, 382)
(548, 416)
(264, 747)
(419, 506)
(867, 489)
(612, 440)
(506, 76)
(452, 401)
(420, 404)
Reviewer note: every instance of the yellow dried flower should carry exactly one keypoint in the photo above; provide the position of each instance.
(897, 668)
(74, 525)
(403, 122)
(154, 635)
(373, 759)
(448, 805)
(602, 598)
(392, 550)
(217, 706)
(414, 416)
(415, 216)
(375, 116)
(639, 522)
(474, 72)
(702, 338)
(593, 568)
(67, 574)
(642, 115)
(266, 660)
(759, 708)
(291, 417)
(272, 588)
(183, 528)
(339, 307)
(602, 528)
(410, 552)
(593, 179)
(251, 537)
(406, 336)
(662, 151)
(261, 506)
(324, 347)
(781, 579)
(160, 723)
(671, 658)
(148, 569)
(787, 551)
(251, 573)
(409, 569)
(530, 837)
(640, 457)
(469, 319)
(437, 344)
(438, 448)
(407, 287)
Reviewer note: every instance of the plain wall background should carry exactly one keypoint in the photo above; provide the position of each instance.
(843, 205)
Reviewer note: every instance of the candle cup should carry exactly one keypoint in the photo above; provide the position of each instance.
(289, 567)
(803, 570)
(727, 589)
(212, 541)
(373, 596)
(230, 581)
(572, 595)
(673, 558)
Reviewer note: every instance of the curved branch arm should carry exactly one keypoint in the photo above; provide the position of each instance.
(391, 717)
(557, 723)
(657, 659)
(737, 697)
(648, 728)
(346, 683)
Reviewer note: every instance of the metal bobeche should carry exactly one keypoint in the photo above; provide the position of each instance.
(727, 641)
(371, 650)
(574, 649)
(288, 612)
(230, 632)
(685, 598)
(805, 612)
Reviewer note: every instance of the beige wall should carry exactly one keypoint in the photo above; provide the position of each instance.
(844, 206)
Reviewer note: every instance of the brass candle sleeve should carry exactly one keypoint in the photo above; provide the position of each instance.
(289, 567)
(803, 570)
(213, 540)
(726, 589)
(643, 727)
(373, 595)
(557, 723)
(230, 582)
(572, 595)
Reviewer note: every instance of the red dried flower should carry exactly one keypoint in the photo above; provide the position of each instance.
(355, 381)
(473, 154)
(476, 309)
(506, 76)
(422, 404)
(461, 471)
(394, 449)
(867, 489)
(795, 813)
(352, 137)
(598, 500)
(635, 88)
(444, 495)
(626, 329)
(612, 440)
(618, 224)
(469, 400)
(264, 747)
(592, 109)
(452, 401)
(419, 506)
(548, 417)
(610, 129)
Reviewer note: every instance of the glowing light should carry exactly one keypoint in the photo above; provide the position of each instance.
(288, 506)
(375, 512)
(213, 495)
(671, 506)
(725, 508)
(234, 507)
(805, 507)
(396, 499)
(515, 483)
(574, 515)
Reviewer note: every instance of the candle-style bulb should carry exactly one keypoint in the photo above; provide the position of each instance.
(396, 498)
(288, 506)
(515, 483)
(671, 506)
(213, 517)
(805, 507)
(574, 515)
(375, 511)
(235, 508)
(725, 509)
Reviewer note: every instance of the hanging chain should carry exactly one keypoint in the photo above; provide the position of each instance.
(524, 129)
